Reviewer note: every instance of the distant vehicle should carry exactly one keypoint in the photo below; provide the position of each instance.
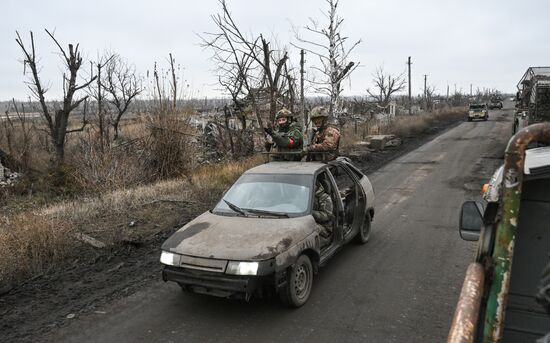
(478, 111)
(261, 237)
(505, 296)
(495, 103)
(533, 98)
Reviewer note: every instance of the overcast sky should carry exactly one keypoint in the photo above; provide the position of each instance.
(485, 43)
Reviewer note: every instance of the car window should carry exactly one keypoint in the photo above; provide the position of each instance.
(288, 194)
(342, 178)
(355, 171)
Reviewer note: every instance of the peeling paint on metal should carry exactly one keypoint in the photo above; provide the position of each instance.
(463, 328)
(506, 229)
(511, 179)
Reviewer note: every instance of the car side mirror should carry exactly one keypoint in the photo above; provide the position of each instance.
(471, 220)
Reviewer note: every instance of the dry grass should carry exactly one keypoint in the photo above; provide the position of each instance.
(35, 240)
(407, 126)
(402, 126)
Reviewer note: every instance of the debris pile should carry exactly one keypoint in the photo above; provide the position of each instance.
(7, 177)
(361, 150)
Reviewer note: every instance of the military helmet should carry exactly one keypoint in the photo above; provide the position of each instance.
(319, 112)
(284, 113)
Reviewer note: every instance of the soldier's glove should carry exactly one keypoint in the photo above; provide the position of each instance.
(268, 130)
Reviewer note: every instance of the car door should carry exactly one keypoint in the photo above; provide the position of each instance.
(336, 202)
(353, 198)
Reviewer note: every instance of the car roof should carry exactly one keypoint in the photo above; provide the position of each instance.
(301, 168)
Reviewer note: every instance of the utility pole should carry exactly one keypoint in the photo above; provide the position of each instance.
(410, 100)
(470, 89)
(447, 92)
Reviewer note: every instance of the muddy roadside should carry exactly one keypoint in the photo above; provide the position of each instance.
(83, 283)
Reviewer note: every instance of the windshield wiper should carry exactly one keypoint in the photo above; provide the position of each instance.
(270, 213)
(235, 208)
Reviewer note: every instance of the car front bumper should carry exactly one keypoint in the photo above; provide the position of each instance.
(477, 115)
(220, 284)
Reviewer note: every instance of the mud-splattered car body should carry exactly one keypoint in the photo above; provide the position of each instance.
(247, 248)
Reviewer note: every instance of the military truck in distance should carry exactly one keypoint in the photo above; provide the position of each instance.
(505, 296)
(478, 111)
(533, 98)
(495, 102)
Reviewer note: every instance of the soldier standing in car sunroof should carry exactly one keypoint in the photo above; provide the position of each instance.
(326, 138)
(286, 138)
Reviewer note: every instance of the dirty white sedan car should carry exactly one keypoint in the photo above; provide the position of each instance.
(261, 237)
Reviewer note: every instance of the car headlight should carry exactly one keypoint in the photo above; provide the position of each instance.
(169, 258)
(242, 268)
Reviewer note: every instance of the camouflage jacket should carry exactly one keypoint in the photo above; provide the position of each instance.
(288, 139)
(322, 207)
(326, 140)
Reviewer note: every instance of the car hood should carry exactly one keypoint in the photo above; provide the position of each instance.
(238, 238)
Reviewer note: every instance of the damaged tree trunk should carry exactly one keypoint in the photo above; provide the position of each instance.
(58, 124)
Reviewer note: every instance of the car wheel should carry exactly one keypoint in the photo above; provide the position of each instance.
(363, 235)
(300, 279)
(469, 119)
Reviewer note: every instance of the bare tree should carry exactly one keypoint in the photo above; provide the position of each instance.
(249, 64)
(430, 97)
(386, 85)
(330, 46)
(57, 123)
(96, 91)
(123, 87)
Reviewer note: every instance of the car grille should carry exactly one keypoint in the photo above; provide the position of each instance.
(206, 264)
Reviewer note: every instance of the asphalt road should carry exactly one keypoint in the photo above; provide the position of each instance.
(400, 287)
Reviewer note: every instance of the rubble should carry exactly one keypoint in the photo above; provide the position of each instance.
(7, 177)
(379, 142)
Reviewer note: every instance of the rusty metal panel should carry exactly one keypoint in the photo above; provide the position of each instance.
(505, 235)
(463, 328)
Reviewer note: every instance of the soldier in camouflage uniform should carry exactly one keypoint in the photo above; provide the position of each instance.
(326, 138)
(323, 213)
(287, 138)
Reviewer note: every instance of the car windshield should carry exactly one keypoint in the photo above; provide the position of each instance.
(477, 107)
(268, 193)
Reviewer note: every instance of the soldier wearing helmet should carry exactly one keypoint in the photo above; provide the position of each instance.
(326, 138)
(287, 137)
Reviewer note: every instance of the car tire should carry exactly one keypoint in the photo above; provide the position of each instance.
(363, 235)
(469, 119)
(300, 280)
